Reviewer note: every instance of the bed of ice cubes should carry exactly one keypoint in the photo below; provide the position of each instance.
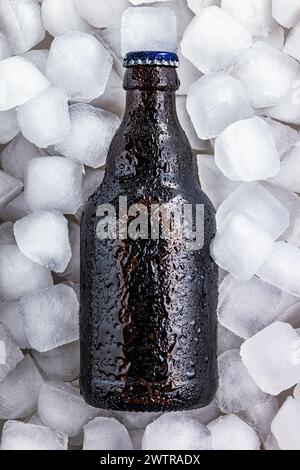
(61, 101)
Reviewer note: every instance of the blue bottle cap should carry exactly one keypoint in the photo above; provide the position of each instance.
(168, 59)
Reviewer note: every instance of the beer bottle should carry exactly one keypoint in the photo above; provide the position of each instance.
(148, 301)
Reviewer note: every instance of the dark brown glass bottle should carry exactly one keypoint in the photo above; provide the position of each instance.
(148, 306)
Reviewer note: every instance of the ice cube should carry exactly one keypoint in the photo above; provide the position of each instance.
(22, 23)
(60, 16)
(80, 64)
(111, 39)
(284, 136)
(288, 176)
(45, 119)
(214, 102)
(10, 317)
(227, 340)
(135, 419)
(6, 49)
(10, 353)
(213, 182)
(114, 98)
(286, 12)
(19, 275)
(237, 391)
(54, 183)
(187, 126)
(61, 407)
(90, 136)
(272, 357)
(282, 268)
(44, 238)
(287, 110)
(15, 209)
(232, 433)
(16, 155)
(241, 246)
(50, 317)
(102, 14)
(275, 38)
(61, 363)
(39, 58)
(186, 434)
(248, 307)
(197, 5)
(13, 91)
(257, 202)
(72, 271)
(106, 434)
(9, 126)
(214, 40)
(7, 236)
(187, 73)
(10, 187)
(19, 391)
(144, 29)
(246, 151)
(286, 425)
(24, 436)
(254, 15)
(255, 69)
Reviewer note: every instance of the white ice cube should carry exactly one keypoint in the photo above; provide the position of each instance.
(45, 119)
(214, 102)
(61, 363)
(288, 176)
(241, 246)
(187, 125)
(19, 391)
(144, 29)
(284, 136)
(186, 434)
(214, 40)
(286, 12)
(80, 64)
(50, 317)
(232, 433)
(214, 183)
(256, 201)
(72, 271)
(11, 318)
(22, 23)
(237, 391)
(287, 109)
(9, 126)
(266, 73)
(102, 14)
(19, 275)
(10, 353)
(286, 425)
(10, 187)
(247, 307)
(60, 16)
(39, 58)
(272, 357)
(13, 91)
(6, 49)
(61, 407)
(106, 434)
(282, 268)
(24, 436)
(16, 155)
(44, 238)
(254, 15)
(246, 151)
(90, 136)
(54, 183)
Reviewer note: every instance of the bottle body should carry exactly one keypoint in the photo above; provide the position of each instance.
(148, 305)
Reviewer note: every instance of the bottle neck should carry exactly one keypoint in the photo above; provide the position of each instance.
(150, 142)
